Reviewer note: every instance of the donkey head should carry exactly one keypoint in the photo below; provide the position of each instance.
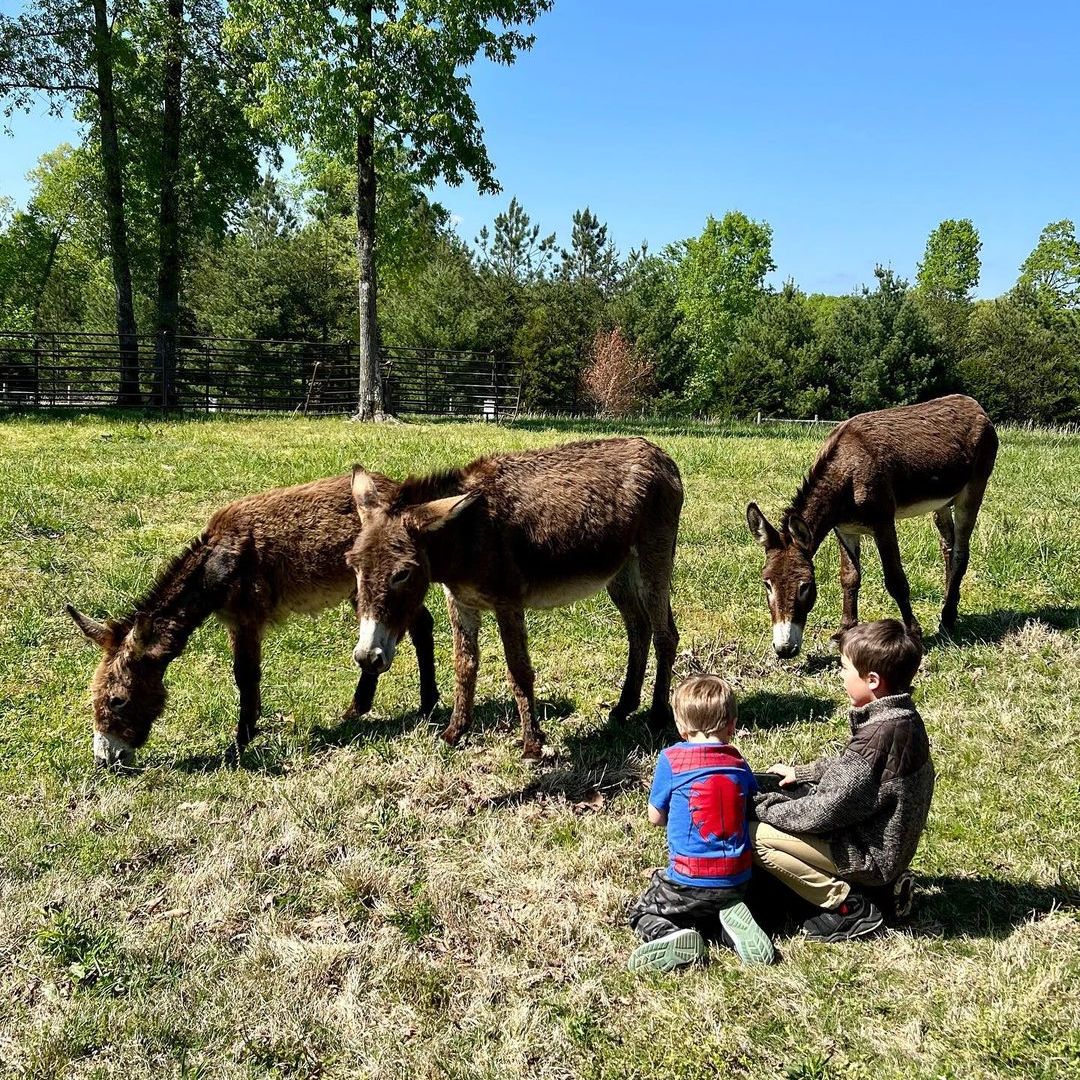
(128, 688)
(789, 576)
(391, 564)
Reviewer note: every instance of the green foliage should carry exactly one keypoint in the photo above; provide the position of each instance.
(1052, 271)
(950, 266)
(514, 250)
(720, 277)
(1024, 360)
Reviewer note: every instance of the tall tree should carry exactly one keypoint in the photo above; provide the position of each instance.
(514, 248)
(721, 275)
(65, 51)
(592, 257)
(1052, 270)
(379, 81)
(950, 266)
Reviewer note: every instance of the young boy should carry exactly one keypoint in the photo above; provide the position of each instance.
(855, 819)
(701, 792)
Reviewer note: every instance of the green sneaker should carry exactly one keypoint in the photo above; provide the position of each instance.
(750, 941)
(673, 950)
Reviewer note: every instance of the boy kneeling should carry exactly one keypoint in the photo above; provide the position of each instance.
(858, 819)
(701, 791)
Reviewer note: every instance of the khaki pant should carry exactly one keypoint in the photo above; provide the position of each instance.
(803, 863)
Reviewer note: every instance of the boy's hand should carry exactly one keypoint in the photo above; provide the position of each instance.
(785, 772)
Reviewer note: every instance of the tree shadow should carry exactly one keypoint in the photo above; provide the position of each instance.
(991, 627)
(765, 709)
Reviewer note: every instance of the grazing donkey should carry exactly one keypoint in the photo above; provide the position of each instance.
(527, 530)
(259, 559)
(874, 468)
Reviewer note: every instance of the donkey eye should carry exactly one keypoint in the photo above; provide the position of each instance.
(768, 587)
(804, 589)
(117, 703)
(401, 577)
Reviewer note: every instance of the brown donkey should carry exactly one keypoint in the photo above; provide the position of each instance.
(527, 530)
(259, 559)
(874, 468)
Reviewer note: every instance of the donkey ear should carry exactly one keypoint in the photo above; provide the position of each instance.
(364, 492)
(97, 632)
(430, 516)
(141, 634)
(800, 532)
(762, 531)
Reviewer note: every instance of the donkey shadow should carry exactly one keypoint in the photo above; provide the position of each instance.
(765, 709)
(990, 627)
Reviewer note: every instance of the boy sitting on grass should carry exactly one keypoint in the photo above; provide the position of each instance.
(701, 792)
(855, 820)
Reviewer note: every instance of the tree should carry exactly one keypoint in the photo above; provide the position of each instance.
(592, 257)
(950, 266)
(377, 82)
(514, 249)
(1052, 271)
(617, 377)
(65, 50)
(721, 274)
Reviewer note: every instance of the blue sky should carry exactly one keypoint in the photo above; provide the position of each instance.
(853, 129)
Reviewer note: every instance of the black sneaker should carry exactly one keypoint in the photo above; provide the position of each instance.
(855, 917)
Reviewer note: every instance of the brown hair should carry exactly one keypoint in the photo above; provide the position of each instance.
(704, 704)
(883, 646)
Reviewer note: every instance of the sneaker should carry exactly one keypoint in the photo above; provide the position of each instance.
(747, 938)
(903, 894)
(855, 917)
(666, 953)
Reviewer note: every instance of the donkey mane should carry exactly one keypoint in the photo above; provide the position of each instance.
(414, 490)
(174, 584)
(810, 482)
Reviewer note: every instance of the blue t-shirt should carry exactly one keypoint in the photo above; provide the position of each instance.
(705, 789)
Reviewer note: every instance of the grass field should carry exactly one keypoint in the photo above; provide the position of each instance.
(367, 902)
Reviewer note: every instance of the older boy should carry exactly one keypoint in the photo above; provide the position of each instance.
(701, 792)
(855, 819)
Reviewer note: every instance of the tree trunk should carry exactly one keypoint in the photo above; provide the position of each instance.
(114, 210)
(164, 393)
(370, 397)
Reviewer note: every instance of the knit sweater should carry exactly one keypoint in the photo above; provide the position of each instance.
(872, 800)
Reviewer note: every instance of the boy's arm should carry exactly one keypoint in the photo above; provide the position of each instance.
(813, 772)
(660, 793)
(845, 795)
(657, 817)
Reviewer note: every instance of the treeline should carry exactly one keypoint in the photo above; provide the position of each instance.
(175, 216)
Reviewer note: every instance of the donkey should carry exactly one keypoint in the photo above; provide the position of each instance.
(874, 468)
(536, 529)
(259, 559)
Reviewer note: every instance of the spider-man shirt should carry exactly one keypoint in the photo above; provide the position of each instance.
(705, 789)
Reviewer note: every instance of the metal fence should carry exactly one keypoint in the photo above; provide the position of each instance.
(203, 374)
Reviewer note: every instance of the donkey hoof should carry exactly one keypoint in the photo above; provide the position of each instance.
(451, 736)
(429, 705)
(619, 713)
(533, 753)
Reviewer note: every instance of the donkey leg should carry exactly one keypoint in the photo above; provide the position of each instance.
(465, 623)
(965, 514)
(246, 642)
(363, 695)
(850, 577)
(519, 671)
(422, 633)
(896, 581)
(626, 594)
(656, 567)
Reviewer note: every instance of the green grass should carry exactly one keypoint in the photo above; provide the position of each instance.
(369, 902)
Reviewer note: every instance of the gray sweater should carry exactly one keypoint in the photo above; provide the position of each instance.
(871, 801)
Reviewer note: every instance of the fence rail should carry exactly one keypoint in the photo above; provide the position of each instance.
(203, 374)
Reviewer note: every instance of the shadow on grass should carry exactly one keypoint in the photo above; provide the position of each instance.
(268, 759)
(991, 626)
(596, 764)
(951, 906)
(769, 709)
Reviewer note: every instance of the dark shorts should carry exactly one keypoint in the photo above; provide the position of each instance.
(667, 905)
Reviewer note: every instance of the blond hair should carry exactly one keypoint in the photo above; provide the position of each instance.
(704, 704)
